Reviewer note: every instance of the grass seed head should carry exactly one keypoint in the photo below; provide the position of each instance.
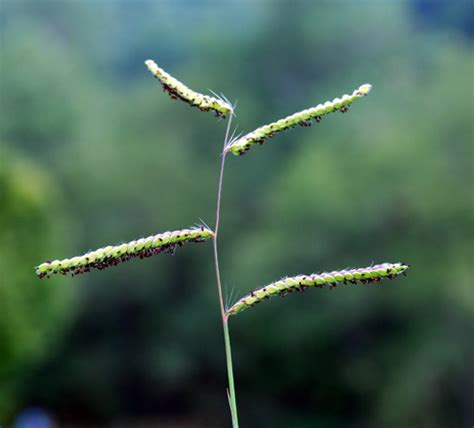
(178, 90)
(371, 274)
(113, 255)
(241, 145)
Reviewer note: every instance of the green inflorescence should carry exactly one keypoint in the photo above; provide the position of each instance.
(242, 144)
(113, 255)
(168, 241)
(178, 90)
(284, 286)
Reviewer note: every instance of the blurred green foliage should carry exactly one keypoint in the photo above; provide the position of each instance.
(94, 153)
(29, 314)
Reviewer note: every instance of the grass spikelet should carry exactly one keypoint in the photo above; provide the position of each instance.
(303, 118)
(285, 286)
(102, 258)
(178, 90)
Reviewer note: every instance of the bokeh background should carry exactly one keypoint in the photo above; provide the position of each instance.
(93, 153)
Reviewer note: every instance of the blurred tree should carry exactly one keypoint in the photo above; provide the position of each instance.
(32, 314)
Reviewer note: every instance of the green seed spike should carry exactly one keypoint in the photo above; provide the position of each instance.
(178, 90)
(242, 144)
(113, 255)
(299, 283)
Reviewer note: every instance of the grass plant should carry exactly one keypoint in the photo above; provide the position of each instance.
(167, 242)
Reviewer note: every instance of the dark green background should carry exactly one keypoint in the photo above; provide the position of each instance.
(94, 153)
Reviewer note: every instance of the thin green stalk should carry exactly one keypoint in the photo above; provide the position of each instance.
(230, 374)
(228, 351)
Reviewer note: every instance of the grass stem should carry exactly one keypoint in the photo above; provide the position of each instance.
(225, 326)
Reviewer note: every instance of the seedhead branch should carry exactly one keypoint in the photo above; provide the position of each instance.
(371, 274)
(178, 90)
(242, 145)
(102, 258)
